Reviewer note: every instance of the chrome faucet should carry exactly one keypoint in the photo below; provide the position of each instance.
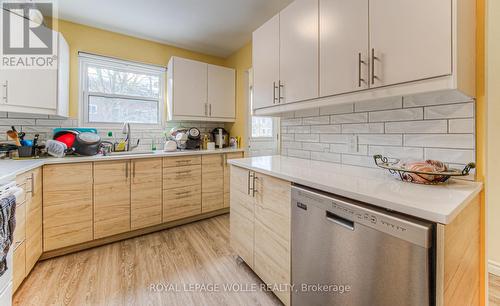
(126, 131)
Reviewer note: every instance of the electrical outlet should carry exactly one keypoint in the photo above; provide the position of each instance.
(353, 145)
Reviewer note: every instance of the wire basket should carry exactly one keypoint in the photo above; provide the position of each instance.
(420, 177)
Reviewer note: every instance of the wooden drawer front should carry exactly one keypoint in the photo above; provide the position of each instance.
(25, 181)
(272, 259)
(20, 230)
(212, 161)
(19, 266)
(111, 198)
(242, 237)
(146, 193)
(177, 177)
(176, 161)
(67, 205)
(181, 203)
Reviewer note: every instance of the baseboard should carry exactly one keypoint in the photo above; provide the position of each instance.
(494, 267)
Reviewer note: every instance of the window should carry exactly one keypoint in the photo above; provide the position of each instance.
(262, 127)
(116, 91)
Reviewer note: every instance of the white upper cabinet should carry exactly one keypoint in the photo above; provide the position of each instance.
(266, 47)
(198, 91)
(411, 40)
(338, 51)
(299, 45)
(344, 51)
(189, 88)
(38, 90)
(221, 92)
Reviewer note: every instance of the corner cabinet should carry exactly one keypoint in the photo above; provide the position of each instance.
(49, 88)
(199, 91)
(260, 226)
(387, 52)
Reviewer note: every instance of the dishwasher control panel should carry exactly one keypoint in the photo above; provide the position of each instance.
(413, 231)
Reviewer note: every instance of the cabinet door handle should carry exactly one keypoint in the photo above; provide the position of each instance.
(373, 66)
(6, 97)
(32, 183)
(275, 99)
(254, 189)
(206, 109)
(360, 62)
(210, 110)
(281, 86)
(126, 170)
(133, 168)
(249, 176)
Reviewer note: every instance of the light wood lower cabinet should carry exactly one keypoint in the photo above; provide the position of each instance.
(111, 198)
(242, 215)
(146, 193)
(67, 205)
(34, 238)
(212, 176)
(227, 157)
(260, 226)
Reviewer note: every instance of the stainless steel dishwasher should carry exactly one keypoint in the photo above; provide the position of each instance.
(349, 254)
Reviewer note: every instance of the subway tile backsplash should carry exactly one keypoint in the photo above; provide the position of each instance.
(33, 124)
(429, 126)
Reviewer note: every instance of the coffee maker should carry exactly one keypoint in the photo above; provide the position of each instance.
(220, 137)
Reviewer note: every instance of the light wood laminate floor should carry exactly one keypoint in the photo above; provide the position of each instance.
(124, 273)
(494, 290)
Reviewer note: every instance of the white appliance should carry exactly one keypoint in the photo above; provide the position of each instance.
(8, 187)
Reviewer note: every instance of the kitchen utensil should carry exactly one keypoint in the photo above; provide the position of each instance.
(56, 148)
(170, 146)
(87, 144)
(420, 177)
(181, 139)
(25, 151)
(220, 137)
(194, 139)
(14, 136)
(27, 143)
(35, 144)
(7, 147)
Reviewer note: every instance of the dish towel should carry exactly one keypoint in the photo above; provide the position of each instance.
(7, 226)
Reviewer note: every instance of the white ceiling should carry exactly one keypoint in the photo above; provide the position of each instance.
(216, 27)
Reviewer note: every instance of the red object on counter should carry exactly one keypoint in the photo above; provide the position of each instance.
(68, 139)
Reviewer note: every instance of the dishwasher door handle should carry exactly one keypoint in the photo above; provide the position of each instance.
(339, 220)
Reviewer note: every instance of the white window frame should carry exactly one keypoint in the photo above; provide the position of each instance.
(86, 59)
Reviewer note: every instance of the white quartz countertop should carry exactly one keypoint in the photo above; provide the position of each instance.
(10, 168)
(437, 203)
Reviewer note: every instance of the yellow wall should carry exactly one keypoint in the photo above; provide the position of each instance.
(481, 133)
(493, 139)
(93, 40)
(241, 60)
